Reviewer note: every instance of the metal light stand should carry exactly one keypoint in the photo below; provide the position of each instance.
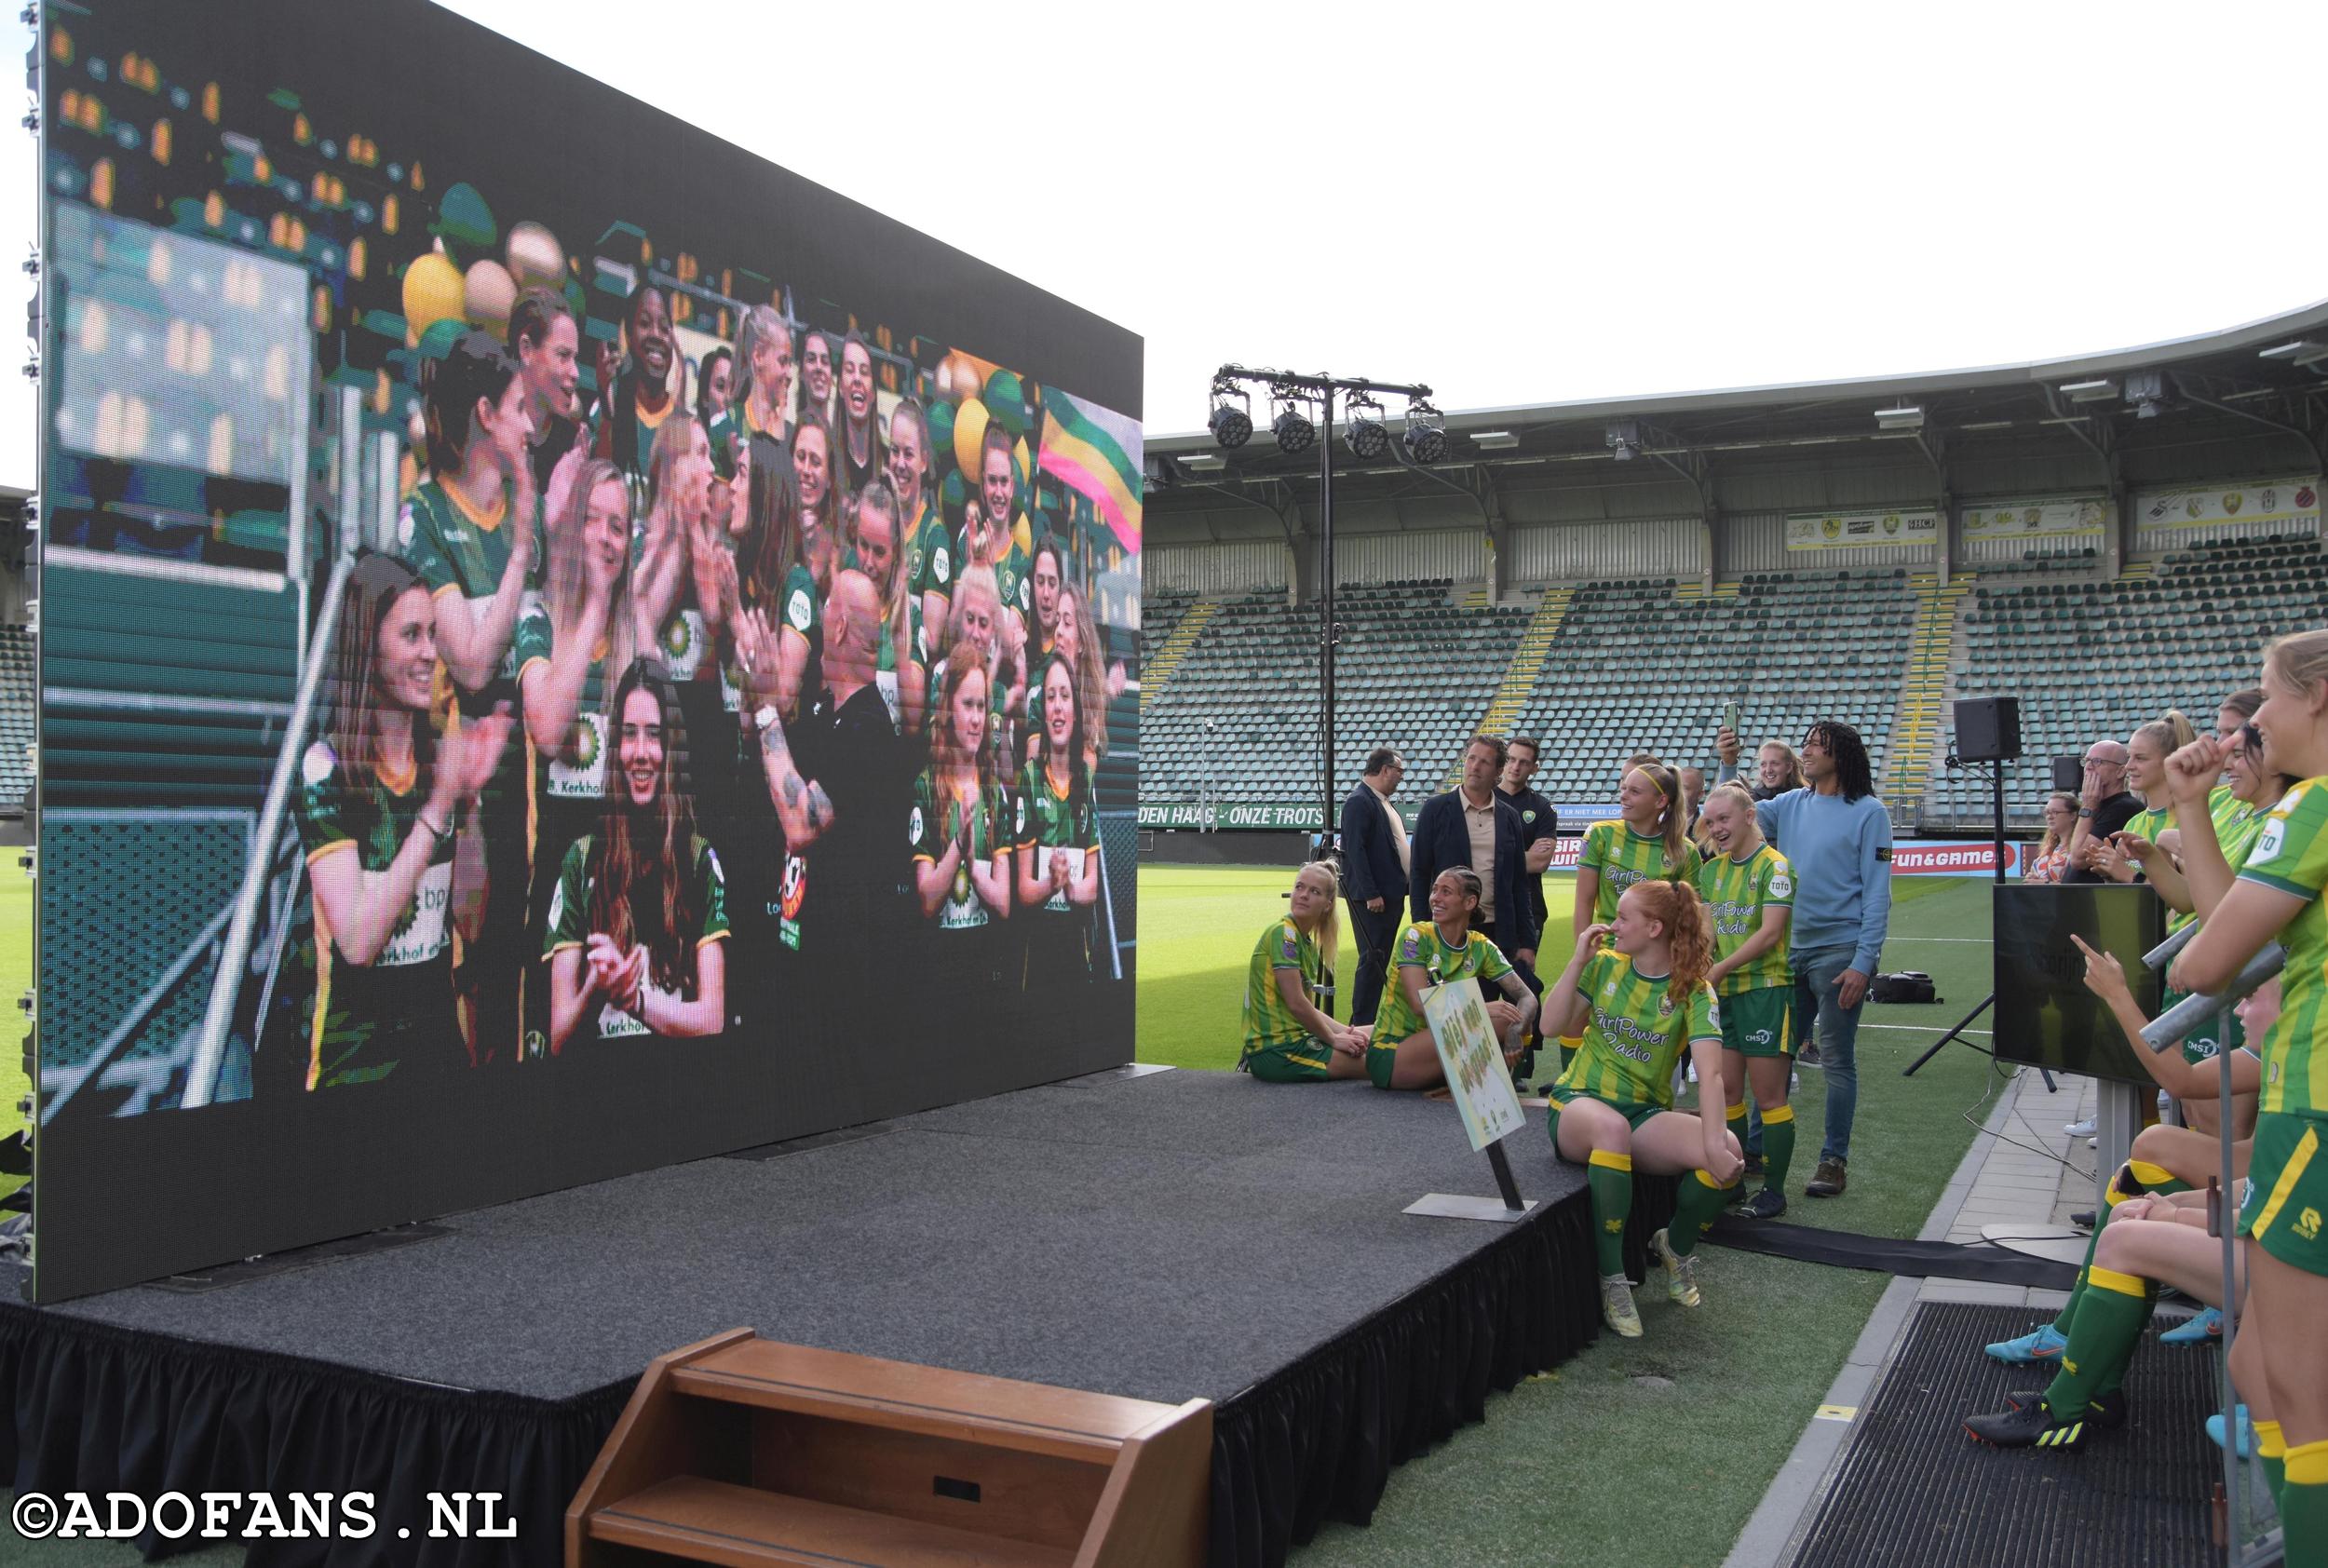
(1285, 387)
(2165, 1033)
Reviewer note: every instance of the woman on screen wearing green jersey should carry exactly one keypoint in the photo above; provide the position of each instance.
(582, 632)
(1401, 1054)
(638, 927)
(1059, 838)
(959, 828)
(1639, 1004)
(2277, 896)
(382, 797)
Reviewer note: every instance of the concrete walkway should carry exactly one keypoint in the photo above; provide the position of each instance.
(2020, 1170)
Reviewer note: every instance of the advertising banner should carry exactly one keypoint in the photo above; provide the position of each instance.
(1918, 856)
(2294, 501)
(555, 632)
(1836, 530)
(2053, 517)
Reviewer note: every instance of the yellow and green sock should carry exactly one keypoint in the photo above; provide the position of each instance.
(2271, 1446)
(1700, 1200)
(1610, 1175)
(2304, 1506)
(1778, 1145)
(2134, 1179)
(2110, 1317)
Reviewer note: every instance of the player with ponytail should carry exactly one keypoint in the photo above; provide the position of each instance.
(1647, 838)
(1638, 1004)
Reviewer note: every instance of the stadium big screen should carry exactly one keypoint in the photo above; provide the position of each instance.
(565, 647)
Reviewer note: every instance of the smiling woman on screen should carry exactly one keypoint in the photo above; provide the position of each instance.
(639, 922)
(381, 799)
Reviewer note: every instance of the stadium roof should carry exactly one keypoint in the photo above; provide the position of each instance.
(2208, 387)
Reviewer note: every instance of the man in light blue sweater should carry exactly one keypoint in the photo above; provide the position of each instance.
(1836, 836)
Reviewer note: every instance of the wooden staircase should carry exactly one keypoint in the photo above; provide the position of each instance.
(1918, 727)
(1160, 670)
(1527, 659)
(743, 1451)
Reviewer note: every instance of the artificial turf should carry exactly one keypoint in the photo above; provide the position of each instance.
(1668, 1441)
(1673, 1437)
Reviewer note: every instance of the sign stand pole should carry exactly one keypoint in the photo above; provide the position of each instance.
(1504, 1183)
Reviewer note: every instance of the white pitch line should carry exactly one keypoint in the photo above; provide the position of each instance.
(1983, 941)
(1925, 1028)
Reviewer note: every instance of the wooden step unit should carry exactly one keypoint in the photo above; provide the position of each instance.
(745, 1451)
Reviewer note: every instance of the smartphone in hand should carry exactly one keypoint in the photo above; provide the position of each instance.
(1729, 718)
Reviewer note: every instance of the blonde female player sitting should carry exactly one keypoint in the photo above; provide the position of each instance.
(1636, 1004)
(1401, 1054)
(1290, 1038)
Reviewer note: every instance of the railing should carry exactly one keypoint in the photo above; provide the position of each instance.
(2166, 1033)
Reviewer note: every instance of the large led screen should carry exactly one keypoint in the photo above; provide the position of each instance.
(564, 647)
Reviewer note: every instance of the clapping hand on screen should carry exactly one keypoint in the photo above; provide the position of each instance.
(466, 757)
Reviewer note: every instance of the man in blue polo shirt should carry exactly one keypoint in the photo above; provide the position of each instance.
(1836, 836)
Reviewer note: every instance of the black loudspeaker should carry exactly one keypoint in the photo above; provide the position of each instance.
(1988, 729)
(2069, 776)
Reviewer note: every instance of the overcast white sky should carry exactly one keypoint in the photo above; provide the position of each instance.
(1519, 204)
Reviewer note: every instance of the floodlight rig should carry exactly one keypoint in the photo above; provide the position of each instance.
(1425, 441)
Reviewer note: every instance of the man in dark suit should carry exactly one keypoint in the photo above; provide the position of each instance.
(1373, 873)
(1473, 825)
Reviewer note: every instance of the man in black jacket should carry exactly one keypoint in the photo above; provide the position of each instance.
(1540, 836)
(1471, 825)
(1373, 874)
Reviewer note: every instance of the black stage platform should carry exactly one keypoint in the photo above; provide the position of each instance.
(1164, 1236)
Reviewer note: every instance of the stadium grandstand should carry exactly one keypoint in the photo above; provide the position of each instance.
(2101, 538)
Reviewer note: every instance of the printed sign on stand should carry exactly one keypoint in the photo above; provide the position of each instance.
(1481, 1082)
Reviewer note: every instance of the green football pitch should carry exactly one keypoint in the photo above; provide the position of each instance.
(1710, 1402)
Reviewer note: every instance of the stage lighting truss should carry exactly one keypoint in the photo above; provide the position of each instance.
(1294, 432)
(1424, 437)
(1368, 438)
(1232, 413)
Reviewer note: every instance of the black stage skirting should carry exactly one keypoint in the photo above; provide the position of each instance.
(1165, 1237)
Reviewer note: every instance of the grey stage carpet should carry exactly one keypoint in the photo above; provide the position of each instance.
(1168, 1237)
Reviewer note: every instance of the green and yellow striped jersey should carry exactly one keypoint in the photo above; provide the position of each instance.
(1623, 857)
(1420, 947)
(1268, 1022)
(2236, 826)
(2150, 822)
(1736, 894)
(2291, 854)
(1635, 1035)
